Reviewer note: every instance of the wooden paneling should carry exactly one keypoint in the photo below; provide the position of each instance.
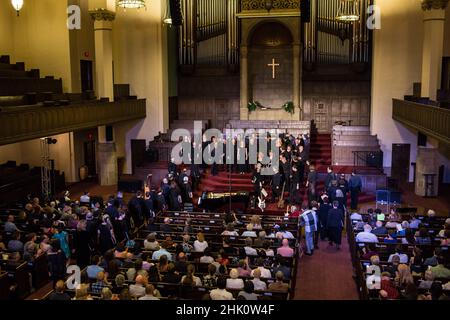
(26, 123)
(429, 120)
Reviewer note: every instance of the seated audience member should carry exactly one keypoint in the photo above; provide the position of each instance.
(366, 236)
(427, 281)
(230, 231)
(106, 294)
(249, 250)
(181, 262)
(200, 244)
(368, 251)
(166, 226)
(255, 222)
(190, 279)
(15, 244)
(374, 265)
(445, 241)
(172, 276)
(132, 272)
(259, 242)
(125, 295)
(433, 260)
(149, 293)
(207, 258)
(390, 237)
(249, 233)
(119, 284)
(163, 264)
(2, 244)
(234, 282)
(392, 269)
(282, 265)
(268, 250)
(265, 273)
(380, 229)
(279, 285)
(436, 290)
(163, 251)
(10, 227)
(414, 223)
(284, 234)
(221, 292)
(227, 248)
(101, 283)
(257, 282)
(82, 293)
(417, 267)
(137, 289)
(248, 292)
(59, 294)
(187, 248)
(403, 276)
(402, 228)
(440, 271)
(285, 250)
(388, 286)
(431, 215)
(93, 269)
(422, 237)
(244, 268)
(355, 216)
(210, 279)
(153, 274)
(398, 252)
(150, 243)
(446, 227)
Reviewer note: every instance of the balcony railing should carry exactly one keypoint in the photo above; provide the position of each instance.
(31, 122)
(427, 119)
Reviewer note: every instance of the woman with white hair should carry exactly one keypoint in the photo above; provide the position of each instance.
(234, 282)
(249, 232)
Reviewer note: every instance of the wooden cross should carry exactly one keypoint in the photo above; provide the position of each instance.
(273, 65)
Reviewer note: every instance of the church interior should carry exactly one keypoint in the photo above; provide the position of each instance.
(346, 103)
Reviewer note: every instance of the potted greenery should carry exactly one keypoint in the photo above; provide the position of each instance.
(289, 107)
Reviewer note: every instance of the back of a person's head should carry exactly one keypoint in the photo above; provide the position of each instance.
(100, 276)
(248, 242)
(375, 260)
(249, 287)
(395, 260)
(221, 283)
(257, 273)
(106, 294)
(234, 274)
(379, 224)
(120, 280)
(367, 228)
(149, 289)
(285, 243)
(279, 276)
(60, 286)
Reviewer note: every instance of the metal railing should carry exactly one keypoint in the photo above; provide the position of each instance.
(373, 159)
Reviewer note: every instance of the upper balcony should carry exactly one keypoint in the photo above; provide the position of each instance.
(428, 119)
(22, 123)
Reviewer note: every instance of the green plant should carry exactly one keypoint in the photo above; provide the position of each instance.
(289, 107)
(253, 105)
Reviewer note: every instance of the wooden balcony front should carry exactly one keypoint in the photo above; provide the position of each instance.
(30, 122)
(430, 120)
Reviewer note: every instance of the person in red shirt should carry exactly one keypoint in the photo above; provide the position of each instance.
(387, 285)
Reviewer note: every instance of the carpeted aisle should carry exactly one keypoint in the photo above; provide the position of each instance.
(327, 275)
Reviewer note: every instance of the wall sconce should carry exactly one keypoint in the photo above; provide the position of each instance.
(17, 5)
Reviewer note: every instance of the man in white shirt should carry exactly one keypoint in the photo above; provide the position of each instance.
(85, 199)
(265, 273)
(221, 293)
(138, 290)
(356, 217)
(366, 236)
(249, 251)
(149, 291)
(257, 283)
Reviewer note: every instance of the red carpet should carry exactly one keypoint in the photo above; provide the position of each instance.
(326, 275)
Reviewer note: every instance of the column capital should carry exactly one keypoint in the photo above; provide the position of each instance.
(434, 4)
(102, 15)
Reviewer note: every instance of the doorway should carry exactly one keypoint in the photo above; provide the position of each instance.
(89, 157)
(400, 162)
(321, 118)
(86, 73)
(137, 153)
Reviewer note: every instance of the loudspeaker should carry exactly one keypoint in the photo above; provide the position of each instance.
(305, 10)
(175, 12)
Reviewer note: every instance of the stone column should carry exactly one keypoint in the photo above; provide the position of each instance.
(244, 83)
(106, 150)
(433, 43)
(296, 82)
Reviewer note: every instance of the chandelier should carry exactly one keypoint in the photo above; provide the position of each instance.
(131, 4)
(17, 5)
(348, 11)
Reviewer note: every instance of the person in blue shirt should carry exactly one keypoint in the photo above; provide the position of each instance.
(94, 268)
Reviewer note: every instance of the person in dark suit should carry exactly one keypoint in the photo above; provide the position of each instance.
(276, 184)
(335, 224)
(355, 186)
(286, 170)
(294, 193)
(329, 178)
(324, 208)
